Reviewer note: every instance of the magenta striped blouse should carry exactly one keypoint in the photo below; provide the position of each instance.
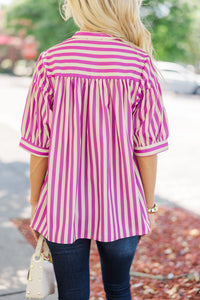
(94, 104)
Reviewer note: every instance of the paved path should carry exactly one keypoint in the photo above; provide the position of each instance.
(178, 177)
(14, 189)
(177, 183)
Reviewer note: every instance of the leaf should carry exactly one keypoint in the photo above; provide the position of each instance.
(148, 290)
(194, 275)
(168, 251)
(173, 290)
(194, 232)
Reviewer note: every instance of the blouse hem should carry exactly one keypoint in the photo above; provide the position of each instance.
(45, 234)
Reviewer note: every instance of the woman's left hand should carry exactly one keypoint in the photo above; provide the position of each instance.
(35, 233)
(152, 221)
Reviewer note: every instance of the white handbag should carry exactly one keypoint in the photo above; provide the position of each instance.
(41, 277)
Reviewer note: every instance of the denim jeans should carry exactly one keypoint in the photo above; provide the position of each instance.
(71, 265)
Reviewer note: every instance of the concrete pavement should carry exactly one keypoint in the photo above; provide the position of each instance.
(14, 195)
(14, 190)
(177, 183)
(179, 167)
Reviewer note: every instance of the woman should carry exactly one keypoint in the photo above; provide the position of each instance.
(94, 122)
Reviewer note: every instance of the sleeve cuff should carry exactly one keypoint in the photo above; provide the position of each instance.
(151, 149)
(38, 151)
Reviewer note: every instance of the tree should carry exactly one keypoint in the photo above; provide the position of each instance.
(40, 18)
(173, 23)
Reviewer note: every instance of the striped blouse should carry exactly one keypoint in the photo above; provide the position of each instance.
(94, 104)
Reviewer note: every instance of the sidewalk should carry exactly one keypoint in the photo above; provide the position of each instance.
(14, 189)
(14, 193)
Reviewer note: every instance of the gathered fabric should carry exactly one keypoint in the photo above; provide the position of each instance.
(93, 106)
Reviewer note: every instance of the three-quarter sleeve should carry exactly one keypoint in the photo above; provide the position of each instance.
(150, 122)
(37, 116)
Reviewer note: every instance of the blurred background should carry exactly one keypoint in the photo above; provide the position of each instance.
(28, 27)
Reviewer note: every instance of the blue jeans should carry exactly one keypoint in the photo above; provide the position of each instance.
(71, 265)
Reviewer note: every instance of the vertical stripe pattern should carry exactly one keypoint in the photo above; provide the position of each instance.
(94, 104)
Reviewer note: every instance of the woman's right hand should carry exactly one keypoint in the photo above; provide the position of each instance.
(35, 233)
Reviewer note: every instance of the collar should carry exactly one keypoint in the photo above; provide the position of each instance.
(90, 34)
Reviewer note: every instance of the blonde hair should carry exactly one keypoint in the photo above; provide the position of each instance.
(118, 18)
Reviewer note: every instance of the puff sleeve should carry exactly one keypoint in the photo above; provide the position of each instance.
(37, 116)
(150, 122)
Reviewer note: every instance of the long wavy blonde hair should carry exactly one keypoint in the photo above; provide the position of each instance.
(118, 18)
